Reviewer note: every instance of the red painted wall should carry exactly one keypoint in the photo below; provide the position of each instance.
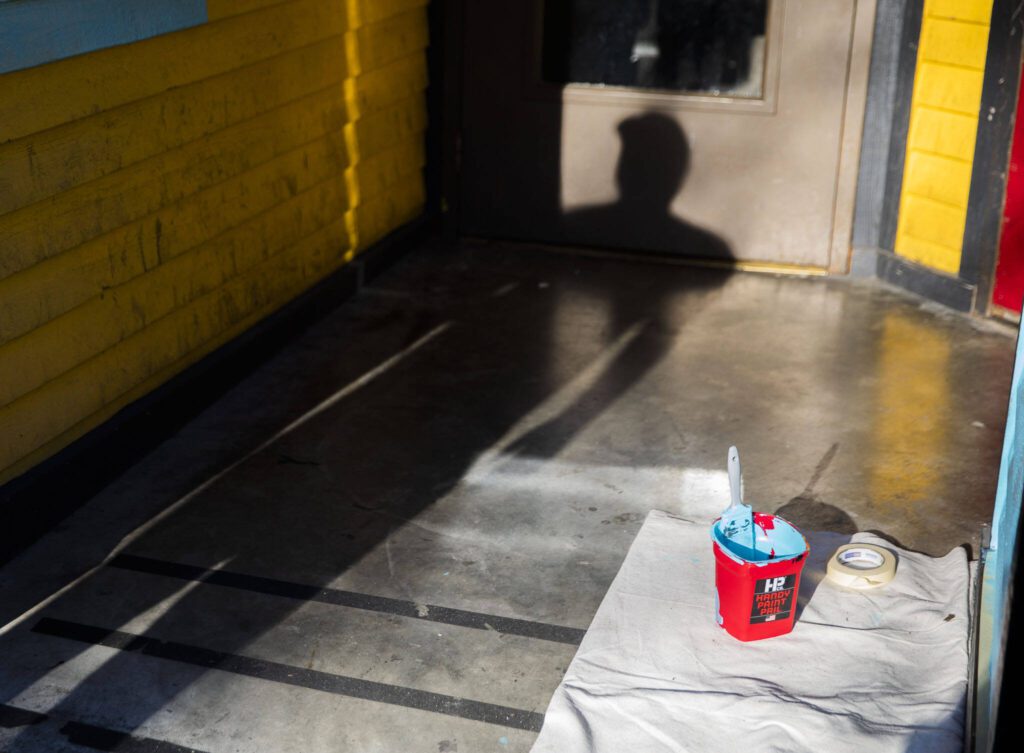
(1008, 290)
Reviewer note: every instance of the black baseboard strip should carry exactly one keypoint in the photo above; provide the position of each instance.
(949, 291)
(41, 498)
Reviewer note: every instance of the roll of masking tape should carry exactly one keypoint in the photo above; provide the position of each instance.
(862, 566)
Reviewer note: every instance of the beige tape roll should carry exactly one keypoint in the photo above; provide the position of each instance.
(862, 566)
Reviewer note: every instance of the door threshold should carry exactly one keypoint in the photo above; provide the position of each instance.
(655, 257)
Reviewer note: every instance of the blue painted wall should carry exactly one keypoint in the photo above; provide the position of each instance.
(33, 32)
(995, 595)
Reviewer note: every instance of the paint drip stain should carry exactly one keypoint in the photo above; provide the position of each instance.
(766, 523)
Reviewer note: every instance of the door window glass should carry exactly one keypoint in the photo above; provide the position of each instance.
(709, 47)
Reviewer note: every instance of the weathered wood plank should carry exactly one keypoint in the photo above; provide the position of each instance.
(170, 344)
(406, 120)
(379, 89)
(218, 9)
(372, 11)
(75, 88)
(381, 43)
(103, 205)
(45, 164)
(27, 300)
(48, 351)
(382, 214)
(380, 173)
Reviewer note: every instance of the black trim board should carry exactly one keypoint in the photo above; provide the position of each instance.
(433, 138)
(888, 48)
(949, 291)
(39, 499)
(992, 149)
(900, 122)
(450, 22)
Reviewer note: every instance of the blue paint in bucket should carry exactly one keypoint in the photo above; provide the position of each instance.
(776, 540)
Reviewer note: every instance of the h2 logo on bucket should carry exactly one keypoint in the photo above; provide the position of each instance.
(773, 598)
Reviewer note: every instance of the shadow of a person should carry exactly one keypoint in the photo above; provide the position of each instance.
(653, 164)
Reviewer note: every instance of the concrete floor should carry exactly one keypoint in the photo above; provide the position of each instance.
(392, 536)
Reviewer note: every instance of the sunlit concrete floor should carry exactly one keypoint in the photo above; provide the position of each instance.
(392, 536)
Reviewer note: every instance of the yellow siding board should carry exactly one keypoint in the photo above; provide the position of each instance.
(110, 408)
(974, 11)
(60, 345)
(229, 204)
(218, 9)
(378, 216)
(87, 270)
(938, 178)
(27, 299)
(389, 40)
(29, 422)
(947, 133)
(376, 133)
(380, 173)
(205, 215)
(933, 255)
(931, 221)
(376, 90)
(115, 200)
(950, 88)
(372, 11)
(44, 164)
(69, 89)
(954, 43)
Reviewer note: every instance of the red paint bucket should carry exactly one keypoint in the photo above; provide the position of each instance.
(755, 589)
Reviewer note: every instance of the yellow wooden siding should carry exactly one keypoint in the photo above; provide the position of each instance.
(976, 11)
(158, 198)
(943, 127)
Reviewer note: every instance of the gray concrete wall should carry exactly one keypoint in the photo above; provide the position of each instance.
(876, 147)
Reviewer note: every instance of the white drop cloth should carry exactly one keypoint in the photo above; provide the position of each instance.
(879, 670)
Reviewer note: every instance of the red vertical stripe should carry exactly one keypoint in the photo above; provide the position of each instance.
(1008, 291)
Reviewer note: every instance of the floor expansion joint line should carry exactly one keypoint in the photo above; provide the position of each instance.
(285, 674)
(90, 735)
(337, 597)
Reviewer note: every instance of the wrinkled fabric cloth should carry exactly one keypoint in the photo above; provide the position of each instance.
(878, 670)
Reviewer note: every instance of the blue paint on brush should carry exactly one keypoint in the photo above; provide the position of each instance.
(33, 32)
(738, 519)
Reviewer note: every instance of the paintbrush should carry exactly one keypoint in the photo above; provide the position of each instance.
(738, 519)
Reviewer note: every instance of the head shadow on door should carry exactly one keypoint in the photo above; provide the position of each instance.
(651, 169)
